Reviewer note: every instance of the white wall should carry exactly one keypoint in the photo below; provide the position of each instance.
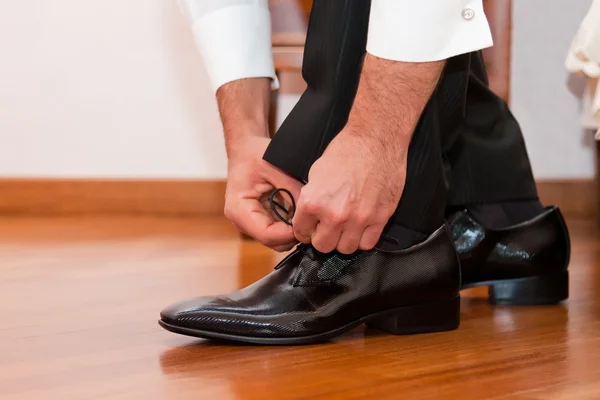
(104, 88)
(116, 89)
(543, 96)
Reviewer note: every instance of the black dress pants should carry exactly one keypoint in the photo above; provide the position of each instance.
(466, 149)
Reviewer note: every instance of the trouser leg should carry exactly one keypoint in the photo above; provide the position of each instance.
(334, 51)
(489, 162)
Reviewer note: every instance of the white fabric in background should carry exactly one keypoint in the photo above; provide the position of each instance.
(584, 58)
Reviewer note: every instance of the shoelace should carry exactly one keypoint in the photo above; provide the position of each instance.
(276, 206)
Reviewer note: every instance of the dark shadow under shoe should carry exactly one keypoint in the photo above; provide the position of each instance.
(312, 297)
(522, 264)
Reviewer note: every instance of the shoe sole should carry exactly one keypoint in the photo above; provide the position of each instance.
(547, 289)
(432, 317)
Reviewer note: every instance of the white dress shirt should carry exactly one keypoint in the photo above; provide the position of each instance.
(234, 36)
(584, 58)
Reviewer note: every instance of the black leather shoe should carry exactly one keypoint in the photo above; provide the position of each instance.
(522, 264)
(312, 297)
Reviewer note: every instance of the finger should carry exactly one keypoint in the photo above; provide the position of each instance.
(285, 247)
(252, 219)
(370, 237)
(326, 237)
(305, 222)
(282, 180)
(350, 239)
(279, 248)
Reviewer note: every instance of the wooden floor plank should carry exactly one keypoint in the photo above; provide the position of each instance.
(80, 298)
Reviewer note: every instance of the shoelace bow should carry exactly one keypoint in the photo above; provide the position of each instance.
(305, 248)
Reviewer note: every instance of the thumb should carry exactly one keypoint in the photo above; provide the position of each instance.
(280, 179)
(251, 218)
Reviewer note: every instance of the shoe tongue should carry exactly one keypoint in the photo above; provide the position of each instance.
(326, 268)
(317, 269)
(317, 265)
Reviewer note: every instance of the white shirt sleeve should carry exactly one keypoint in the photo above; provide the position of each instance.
(426, 30)
(233, 37)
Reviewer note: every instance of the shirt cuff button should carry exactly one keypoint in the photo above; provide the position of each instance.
(468, 14)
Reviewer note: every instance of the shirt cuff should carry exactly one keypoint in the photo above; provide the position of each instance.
(235, 43)
(424, 31)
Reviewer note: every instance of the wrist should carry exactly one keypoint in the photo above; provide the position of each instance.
(390, 98)
(244, 101)
(379, 133)
(376, 144)
(244, 109)
(237, 145)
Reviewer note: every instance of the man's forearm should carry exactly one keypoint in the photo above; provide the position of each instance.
(390, 99)
(244, 108)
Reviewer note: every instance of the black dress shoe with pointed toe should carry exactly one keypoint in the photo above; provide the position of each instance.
(312, 297)
(522, 264)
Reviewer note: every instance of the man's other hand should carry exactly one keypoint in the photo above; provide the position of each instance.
(250, 178)
(353, 190)
(356, 185)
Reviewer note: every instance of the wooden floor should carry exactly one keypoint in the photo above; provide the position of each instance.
(80, 299)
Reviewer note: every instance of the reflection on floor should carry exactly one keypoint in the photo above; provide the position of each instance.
(80, 298)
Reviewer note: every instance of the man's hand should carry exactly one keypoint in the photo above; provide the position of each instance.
(244, 109)
(250, 178)
(354, 188)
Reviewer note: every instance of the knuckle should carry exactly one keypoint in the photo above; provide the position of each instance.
(362, 218)
(310, 205)
(338, 217)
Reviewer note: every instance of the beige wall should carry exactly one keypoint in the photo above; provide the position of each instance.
(113, 88)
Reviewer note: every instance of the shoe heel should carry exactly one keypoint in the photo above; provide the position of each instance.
(438, 316)
(538, 290)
